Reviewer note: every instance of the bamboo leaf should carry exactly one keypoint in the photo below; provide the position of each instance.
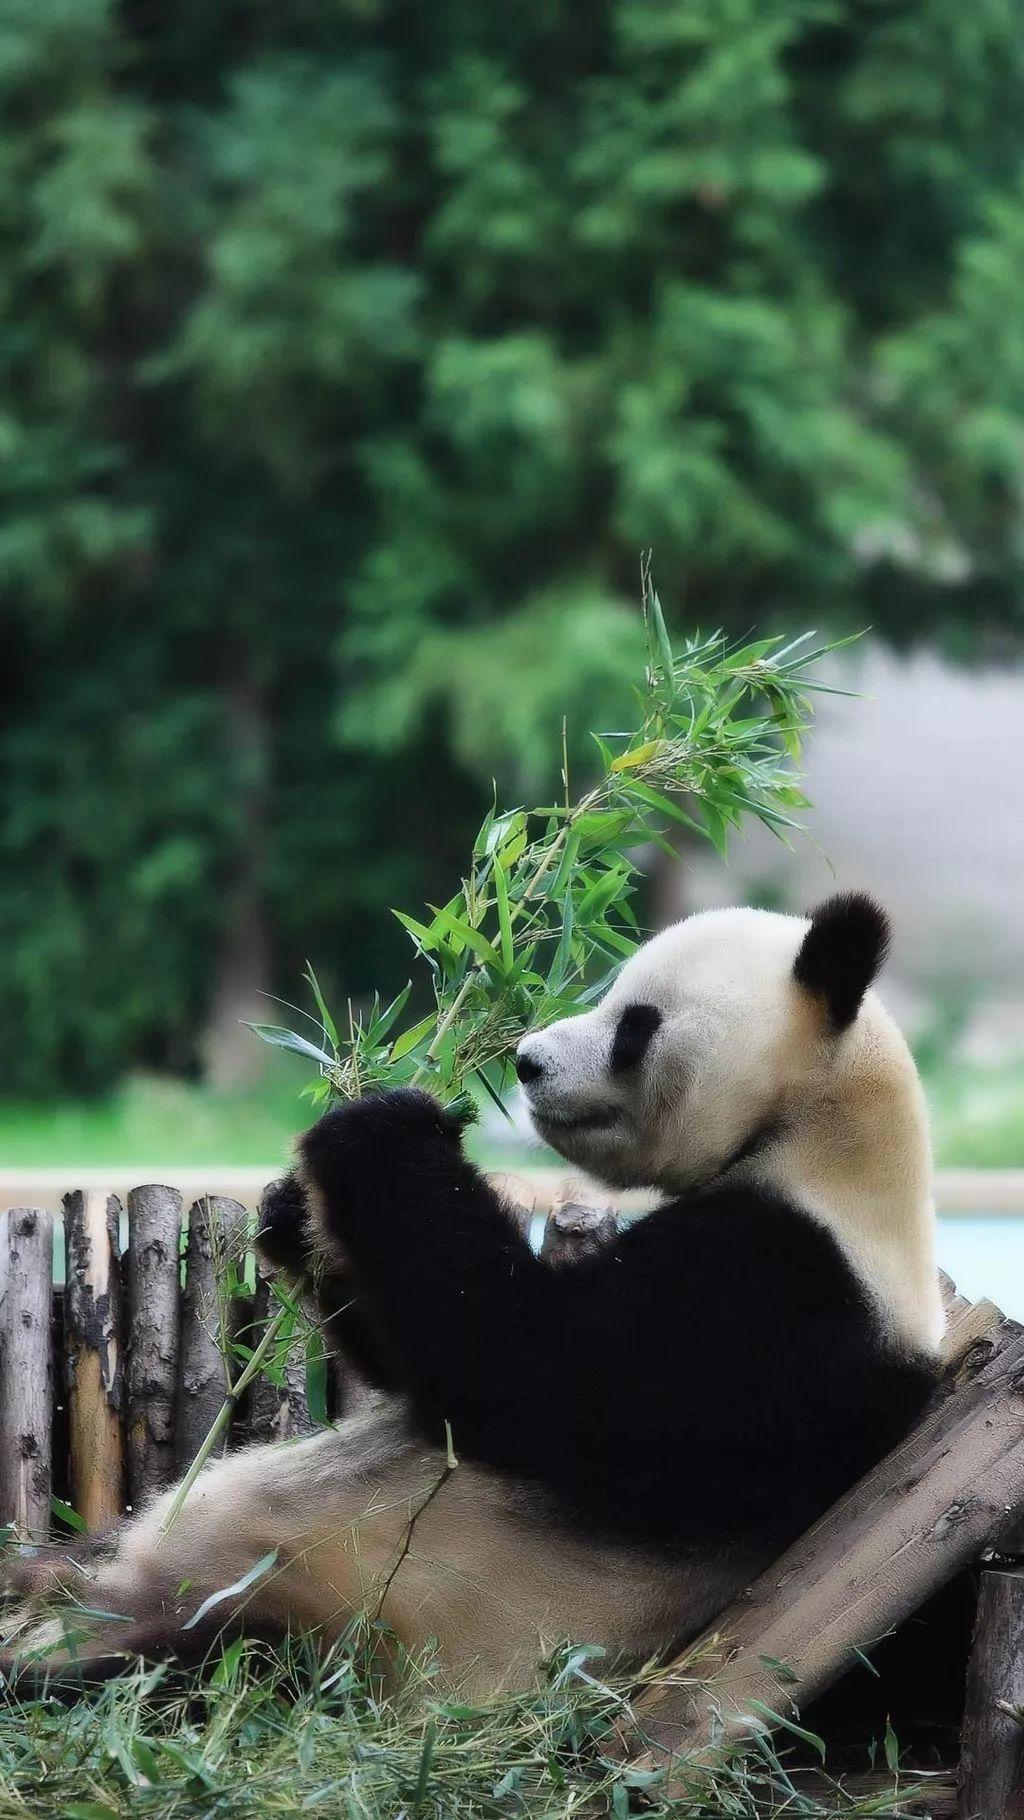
(326, 1019)
(257, 1572)
(406, 1043)
(629, 761)
(280, 1038)
(504, 914)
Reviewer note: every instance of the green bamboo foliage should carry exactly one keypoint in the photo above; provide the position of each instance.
(545, 913)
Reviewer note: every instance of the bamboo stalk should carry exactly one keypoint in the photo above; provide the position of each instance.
(154, 1229)
(94, 1355)
(217, 1234)
(992, 1750)
(26, 1415)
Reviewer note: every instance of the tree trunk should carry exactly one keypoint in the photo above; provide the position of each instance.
(154, 1234)
(992, 1750)
(234, 1056)
(94, 1356)
(26, 1418)
(217, 1235)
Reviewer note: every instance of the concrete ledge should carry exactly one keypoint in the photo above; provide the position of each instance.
(964, 1191)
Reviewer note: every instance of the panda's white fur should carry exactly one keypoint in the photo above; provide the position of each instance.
(741, 1048)
(743, 1085)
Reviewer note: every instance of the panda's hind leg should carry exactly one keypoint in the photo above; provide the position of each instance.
(296, 1536)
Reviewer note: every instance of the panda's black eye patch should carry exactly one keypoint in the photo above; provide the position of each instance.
(635, 1029)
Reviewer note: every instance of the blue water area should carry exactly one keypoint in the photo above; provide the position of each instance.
(984, 1255)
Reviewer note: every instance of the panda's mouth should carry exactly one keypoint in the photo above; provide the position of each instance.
(596, 1118)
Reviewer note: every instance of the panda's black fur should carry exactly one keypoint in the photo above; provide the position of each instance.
(716, 1374)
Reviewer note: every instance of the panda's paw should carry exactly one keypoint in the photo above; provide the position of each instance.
(396, 1126)
(283, 1235)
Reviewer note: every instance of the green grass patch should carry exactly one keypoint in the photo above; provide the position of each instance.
(977, 1111)
(153, 1119)
(293, 1735)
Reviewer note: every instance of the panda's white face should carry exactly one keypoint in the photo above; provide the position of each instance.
(745, 1040)
(688, 1060)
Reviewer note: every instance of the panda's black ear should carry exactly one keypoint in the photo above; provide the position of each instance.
(842, 952)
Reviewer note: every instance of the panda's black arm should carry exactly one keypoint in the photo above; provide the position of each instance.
(447, 1287)
(718, 1357)
(285, 1240)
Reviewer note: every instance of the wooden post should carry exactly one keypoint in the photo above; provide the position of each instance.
(154, 1230)
(26, 1416)
(944, 1494)
(279, 1412)
(578, 1225)
(93, 1355)
(992, 1749)
(217, 1233)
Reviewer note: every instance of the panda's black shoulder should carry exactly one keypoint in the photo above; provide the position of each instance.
(768, 1272)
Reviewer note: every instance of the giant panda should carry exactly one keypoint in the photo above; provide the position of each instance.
(605, 1452)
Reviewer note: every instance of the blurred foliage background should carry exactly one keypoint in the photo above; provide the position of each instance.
(353, 351)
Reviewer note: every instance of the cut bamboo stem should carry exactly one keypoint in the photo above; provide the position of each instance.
(26, 1420)
(154, 1229)
(93, 1356)
(217, 1234)
(992, 1749)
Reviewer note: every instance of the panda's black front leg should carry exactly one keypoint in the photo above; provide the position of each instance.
(288, 1242)
(450, 1289)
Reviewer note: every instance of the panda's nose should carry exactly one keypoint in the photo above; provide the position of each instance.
(527, 1069)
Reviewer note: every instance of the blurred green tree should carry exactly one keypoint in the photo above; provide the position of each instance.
(351, 356)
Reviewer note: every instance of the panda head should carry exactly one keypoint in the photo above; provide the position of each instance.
(713, 1038)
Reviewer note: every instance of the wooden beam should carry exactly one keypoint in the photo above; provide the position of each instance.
(992, 1749)
(944, 1494)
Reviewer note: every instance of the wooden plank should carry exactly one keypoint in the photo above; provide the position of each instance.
(947, 1492)
(154, 1234)
(992, 1751)
(26, 1396)
(217, 1235)
(93, 1355)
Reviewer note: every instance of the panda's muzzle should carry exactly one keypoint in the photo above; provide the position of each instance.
(596, 1118)
(557, 1113)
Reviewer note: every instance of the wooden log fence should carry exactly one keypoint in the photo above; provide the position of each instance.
(115, 1361)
